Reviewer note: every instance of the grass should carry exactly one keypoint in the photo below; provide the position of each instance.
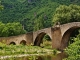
(11, 51)
(22, 49)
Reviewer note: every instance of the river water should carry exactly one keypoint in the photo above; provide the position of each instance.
(59, 56)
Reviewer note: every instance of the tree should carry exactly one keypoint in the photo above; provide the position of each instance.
(66, 14)
(39, 23)
(1, 28)
(11, 29)
(14, 29)
(1, 6)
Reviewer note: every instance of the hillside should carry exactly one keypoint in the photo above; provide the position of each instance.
(27, 11)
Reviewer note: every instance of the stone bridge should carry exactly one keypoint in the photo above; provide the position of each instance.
(59, 35)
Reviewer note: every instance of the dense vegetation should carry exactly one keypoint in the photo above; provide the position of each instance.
(11, 29)
(73, 50)
(1, 6)
(66, 14)
(23, 49)
(30, 12)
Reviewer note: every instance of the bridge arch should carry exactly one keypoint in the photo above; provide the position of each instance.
(66, 36)
(39, 38)
(12, 43)
(23, 42)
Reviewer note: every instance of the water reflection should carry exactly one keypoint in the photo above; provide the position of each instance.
(47, 57)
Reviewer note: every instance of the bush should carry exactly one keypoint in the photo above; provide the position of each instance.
(73, 50)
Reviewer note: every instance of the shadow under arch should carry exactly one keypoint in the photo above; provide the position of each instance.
(23, 42)
(66, 37)
(39, 38)
(12, 43)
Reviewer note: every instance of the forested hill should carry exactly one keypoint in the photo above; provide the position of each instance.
(28, 12)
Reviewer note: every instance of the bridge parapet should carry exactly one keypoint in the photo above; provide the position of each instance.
(17, 39)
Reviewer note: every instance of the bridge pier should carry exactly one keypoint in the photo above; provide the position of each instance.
(56, 38)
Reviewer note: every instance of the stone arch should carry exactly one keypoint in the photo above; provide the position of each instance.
(39, 37)
(23, 42)
(66, 36)
(13, 43)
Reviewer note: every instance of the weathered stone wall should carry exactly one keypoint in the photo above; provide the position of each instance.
(56, 37)
(17, 39)
(29, 38)
(66, 27)
(38, 35)
(66, 31)
(61, 34)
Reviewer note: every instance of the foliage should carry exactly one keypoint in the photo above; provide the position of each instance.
(1, 6)
(46, 44)
(73, 50)
(66, 14)
(21, 49)
(67, 2)
(39, 23)
(47, 37)
(28, 11)
(11, 29)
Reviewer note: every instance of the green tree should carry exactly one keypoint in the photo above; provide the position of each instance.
(15, 29)
(1, 6)
(11, 29)
(39, 23)
(66, 14)
(1, 28)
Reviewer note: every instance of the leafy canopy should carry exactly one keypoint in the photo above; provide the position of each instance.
(11, 29)
(1, 6)
(66, 14)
